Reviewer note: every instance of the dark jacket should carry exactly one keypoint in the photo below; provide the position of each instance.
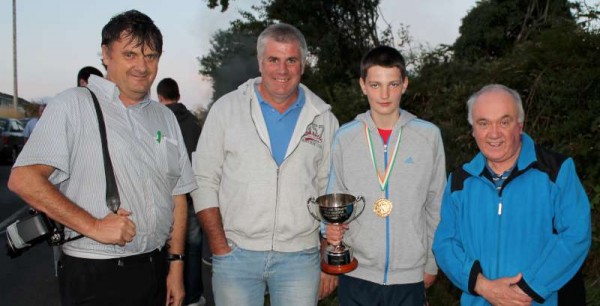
(188, 123)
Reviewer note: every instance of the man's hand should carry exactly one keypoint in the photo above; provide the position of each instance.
(428, 279)
(175, 289)
(335, 233)
(114, 228)
(328, 284)
(222, 250)
(502, 291)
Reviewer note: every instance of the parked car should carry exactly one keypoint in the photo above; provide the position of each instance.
(12, 139)
(25, 120)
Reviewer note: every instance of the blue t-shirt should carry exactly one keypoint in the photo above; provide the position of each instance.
(281, 126)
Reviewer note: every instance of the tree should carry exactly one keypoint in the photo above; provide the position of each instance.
(232, 58)
(494, 27)
(213, 4)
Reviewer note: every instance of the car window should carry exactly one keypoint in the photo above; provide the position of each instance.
(3, 124)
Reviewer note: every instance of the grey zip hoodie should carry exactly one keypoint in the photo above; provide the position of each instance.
(394, 249)
(262, 205)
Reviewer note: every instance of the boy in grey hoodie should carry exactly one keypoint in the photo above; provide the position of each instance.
(396, 161)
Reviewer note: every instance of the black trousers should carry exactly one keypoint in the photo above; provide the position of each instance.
(207, 272)
(357, 292)
(573, 292)
(128, 281)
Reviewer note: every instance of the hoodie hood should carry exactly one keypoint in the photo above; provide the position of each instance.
(314, 102)
(181, 112)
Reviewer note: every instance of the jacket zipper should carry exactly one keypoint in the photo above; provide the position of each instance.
(276, 204)
(511, 177)
(278, 171)
(277, 181)
(500, 209)
(387, 223)
(499, 231)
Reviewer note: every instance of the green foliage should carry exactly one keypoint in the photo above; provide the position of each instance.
(232, 58)
(595, 200)
(493, 27)
(223, 3)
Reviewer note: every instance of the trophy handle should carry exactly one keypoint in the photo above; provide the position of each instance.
(356, 214)
(310, 201)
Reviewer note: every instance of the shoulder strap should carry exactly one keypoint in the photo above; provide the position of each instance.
(113, 201)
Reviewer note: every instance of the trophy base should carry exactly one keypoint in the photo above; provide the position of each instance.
(339, 269)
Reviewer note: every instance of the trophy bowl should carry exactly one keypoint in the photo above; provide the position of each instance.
(337, 208)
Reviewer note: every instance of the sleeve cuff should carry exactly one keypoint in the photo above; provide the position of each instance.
(525, 287)
(431, 267)
(475, 270)
(322, 230)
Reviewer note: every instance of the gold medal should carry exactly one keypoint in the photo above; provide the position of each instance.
(383, 207)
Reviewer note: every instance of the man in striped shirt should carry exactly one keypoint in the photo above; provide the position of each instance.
(123, 256)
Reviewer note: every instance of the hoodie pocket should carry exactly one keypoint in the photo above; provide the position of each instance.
(409, 251)
(249, 210)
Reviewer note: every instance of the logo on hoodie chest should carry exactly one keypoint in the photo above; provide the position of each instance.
(314, 135)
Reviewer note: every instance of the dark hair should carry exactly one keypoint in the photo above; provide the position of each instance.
(134, 25)
(168, 89)
(85, 72)
(383, 56)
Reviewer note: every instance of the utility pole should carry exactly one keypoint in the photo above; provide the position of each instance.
(15, 87)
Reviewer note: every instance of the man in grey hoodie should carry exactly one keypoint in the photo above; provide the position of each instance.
(396, 161)
(264, 150)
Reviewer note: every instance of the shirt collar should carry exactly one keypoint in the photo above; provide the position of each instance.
(300, 100)
(111, 92)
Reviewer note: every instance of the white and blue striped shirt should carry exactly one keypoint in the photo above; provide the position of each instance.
(147, 152)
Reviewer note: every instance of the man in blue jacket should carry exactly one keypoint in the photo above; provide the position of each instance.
(515, 221)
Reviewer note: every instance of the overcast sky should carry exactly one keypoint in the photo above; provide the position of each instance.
(57, 38)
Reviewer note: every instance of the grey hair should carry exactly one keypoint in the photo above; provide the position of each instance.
(284, 33)
(496, 87)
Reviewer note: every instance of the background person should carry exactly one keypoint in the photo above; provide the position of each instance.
(264, 150)
(122, 258)
(84, 74)
(515, 221)
(28, 129)
(168, 95)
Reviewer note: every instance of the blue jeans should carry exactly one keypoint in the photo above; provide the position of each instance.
(241, 277)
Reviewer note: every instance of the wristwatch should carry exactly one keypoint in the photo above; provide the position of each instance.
(174, 257)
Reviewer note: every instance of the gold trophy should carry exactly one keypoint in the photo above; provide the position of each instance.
(337, 209)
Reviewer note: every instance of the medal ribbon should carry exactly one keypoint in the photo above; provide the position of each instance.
(383, 179)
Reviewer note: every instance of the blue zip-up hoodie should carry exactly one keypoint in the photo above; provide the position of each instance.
(395, 249)
(537, 224)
